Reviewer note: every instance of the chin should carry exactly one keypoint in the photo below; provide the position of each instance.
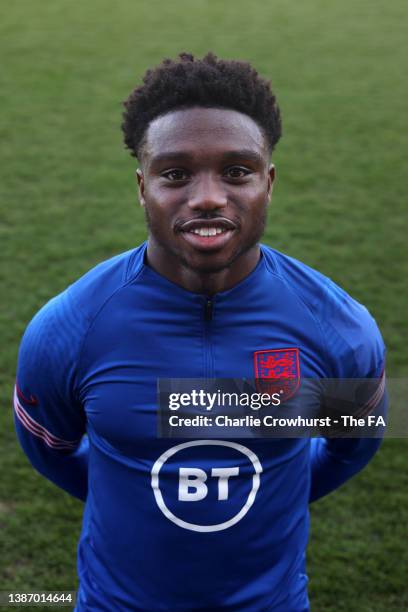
(208, 264)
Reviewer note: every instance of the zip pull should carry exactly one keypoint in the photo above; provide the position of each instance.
(208, 309)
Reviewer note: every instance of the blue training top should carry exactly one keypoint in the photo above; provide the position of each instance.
(89, 362)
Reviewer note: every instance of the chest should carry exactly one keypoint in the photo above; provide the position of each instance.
(131, 346)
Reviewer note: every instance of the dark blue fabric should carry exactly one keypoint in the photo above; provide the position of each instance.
(89, 362)
(334, 461)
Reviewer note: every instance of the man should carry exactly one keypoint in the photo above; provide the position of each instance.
(201, 299)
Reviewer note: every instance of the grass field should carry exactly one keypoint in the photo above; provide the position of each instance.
(68, 201)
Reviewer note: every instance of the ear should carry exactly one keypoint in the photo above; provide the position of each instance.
(141, 186)
(271, 178)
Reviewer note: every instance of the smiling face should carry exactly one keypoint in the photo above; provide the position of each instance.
(205, 184)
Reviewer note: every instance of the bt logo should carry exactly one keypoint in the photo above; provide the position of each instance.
(226, 492)
(194, 478)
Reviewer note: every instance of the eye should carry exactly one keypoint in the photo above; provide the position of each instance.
(175, 174)
(236, 172)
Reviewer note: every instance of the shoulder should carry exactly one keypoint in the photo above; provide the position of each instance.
(308, 284)
(59, 326)
(352, 338)
(95, 287)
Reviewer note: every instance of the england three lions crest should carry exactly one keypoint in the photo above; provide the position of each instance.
(277, 371)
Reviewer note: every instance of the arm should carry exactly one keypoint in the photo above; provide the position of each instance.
(356, 351)
(69, 471)
(49, 419)
(336, 460)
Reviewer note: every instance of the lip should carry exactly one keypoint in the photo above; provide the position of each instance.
(207, 243)
(217, 222)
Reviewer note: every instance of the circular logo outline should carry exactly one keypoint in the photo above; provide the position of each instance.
(218, 526)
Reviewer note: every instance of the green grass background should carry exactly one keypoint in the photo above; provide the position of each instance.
(68, 200)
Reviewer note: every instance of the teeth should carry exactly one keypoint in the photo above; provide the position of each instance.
(208, 231)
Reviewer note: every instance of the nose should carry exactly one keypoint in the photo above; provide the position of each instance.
(207, 194)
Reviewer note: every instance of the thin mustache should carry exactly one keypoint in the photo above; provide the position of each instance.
(208, 219)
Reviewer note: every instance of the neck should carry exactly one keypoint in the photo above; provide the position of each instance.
(198, 281)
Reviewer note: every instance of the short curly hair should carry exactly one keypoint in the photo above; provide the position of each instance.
(208, 82)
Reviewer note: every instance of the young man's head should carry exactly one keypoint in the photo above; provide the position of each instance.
(203, 132)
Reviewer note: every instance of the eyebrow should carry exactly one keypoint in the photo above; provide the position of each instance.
(182, 156)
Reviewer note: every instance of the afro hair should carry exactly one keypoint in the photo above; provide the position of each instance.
(209, 82)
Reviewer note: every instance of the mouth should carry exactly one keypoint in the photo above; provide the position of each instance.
(208, 234)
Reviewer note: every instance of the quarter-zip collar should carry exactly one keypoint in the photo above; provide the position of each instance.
(233, 292)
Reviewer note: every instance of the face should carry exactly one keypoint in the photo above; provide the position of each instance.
(205, 184)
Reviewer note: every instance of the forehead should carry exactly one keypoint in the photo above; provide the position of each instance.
(208, 130)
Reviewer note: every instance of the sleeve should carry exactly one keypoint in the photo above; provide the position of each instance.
(357, 354)
(49, 419)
